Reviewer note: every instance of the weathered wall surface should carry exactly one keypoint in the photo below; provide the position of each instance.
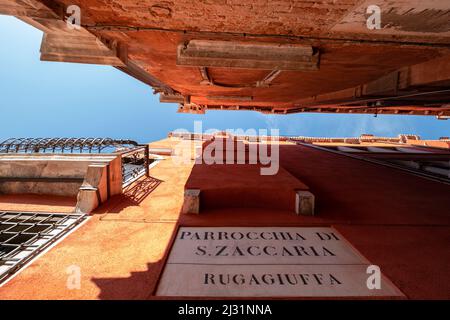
(398, 221)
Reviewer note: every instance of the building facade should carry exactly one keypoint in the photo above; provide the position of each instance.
(206, 222)
(275, 57)
(237, 214)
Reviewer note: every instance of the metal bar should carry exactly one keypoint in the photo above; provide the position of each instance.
(147, 161)
(108, 182)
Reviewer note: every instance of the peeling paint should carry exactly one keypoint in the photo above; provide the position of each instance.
(435, 21)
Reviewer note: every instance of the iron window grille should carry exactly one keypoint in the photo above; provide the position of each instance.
(24, 235)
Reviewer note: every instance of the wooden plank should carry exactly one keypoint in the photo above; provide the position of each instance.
(230, 54)
(78, 49)
(171, 98)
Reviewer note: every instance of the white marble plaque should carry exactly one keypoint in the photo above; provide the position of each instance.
(266, 262)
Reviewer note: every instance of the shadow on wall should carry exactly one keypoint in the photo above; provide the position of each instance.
(138, 191)
(132, 195)
(140, 285)
(352, 190)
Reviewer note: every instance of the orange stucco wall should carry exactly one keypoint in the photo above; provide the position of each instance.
(399, 221)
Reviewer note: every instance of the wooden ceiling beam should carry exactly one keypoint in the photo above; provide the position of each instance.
(247, 55)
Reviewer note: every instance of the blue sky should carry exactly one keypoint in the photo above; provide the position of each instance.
(52, 99)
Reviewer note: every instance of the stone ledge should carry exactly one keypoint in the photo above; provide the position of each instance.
(191, 202)
(304, 203)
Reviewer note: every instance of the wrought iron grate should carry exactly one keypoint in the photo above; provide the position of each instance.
(23, 235)
(71, 145)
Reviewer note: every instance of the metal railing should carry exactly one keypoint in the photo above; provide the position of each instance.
(62, 145)
(135, 164)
